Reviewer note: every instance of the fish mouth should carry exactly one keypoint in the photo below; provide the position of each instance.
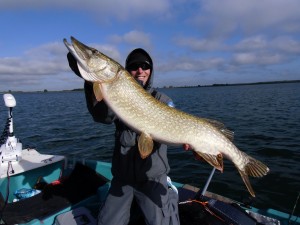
(80, 51)
(82, 54)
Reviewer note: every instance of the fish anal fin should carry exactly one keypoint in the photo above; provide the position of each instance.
(214, 160)
(145, 145)
(97, 91)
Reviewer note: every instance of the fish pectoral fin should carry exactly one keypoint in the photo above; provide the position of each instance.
(97, 91)
(145, 145)
(214, 160)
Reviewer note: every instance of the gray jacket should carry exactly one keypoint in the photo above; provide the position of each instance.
(127, 165)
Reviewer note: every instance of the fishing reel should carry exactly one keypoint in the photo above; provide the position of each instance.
(11, 148)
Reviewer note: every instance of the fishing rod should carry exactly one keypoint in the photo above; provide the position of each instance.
(295, 206)
(208, 181)
(202, 192)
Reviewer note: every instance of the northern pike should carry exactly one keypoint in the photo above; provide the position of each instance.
(156, 121)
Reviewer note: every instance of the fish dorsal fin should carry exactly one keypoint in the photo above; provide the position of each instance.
(221, 127)
(214, 160)
(145, 145)
(97, 91)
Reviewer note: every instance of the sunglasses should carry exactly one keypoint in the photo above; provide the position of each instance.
(136, 66)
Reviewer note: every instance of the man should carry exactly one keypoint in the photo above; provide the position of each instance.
(144, 180)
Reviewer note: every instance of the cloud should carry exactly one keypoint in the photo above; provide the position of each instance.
(185, 38)
(256, 59)
(47, 59)
(286, 44)
(32, 69)
(249, 17)
(252, 43)
(134, 37)
(190, 64)
(109, 50)
(257, 50)
(261, 50)
(119, 9)
(199, 44)
(42, 60)
(44, 63)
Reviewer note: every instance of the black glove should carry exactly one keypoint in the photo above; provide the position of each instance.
(73, 64)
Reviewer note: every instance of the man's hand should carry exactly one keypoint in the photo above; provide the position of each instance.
(187, 147)
(73, 64)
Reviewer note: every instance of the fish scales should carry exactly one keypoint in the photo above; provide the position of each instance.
(154, 120)
(151, 113)
(151, 116)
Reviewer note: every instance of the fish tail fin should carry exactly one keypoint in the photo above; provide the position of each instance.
(247, 182)
(256, 168)
(253, 168)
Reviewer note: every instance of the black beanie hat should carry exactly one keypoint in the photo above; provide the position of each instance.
(138, 55)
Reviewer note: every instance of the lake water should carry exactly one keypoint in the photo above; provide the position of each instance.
(265, 119)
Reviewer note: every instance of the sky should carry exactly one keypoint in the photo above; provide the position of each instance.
(192, 42)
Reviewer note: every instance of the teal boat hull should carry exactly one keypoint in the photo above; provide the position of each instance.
(57, 170)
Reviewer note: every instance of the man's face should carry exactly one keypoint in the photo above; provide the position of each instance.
(140, 72)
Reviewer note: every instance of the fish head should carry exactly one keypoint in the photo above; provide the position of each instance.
(93, 65)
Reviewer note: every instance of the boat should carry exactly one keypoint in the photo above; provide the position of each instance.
(53, 189)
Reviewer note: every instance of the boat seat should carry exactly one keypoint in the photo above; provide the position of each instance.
(82, 183)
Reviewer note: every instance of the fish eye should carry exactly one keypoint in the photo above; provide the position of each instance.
(93, 50)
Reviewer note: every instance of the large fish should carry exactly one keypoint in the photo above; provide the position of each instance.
(154, 120)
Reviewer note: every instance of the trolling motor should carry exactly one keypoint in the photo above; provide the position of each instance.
(11, 148)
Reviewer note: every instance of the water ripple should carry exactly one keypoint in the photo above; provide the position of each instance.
(265, 119)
